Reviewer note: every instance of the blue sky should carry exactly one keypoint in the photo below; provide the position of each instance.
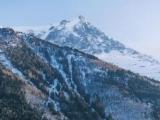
(136, 23)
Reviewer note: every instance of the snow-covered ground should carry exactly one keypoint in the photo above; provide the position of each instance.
(133, 63)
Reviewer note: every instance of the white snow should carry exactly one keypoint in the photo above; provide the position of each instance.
(54, 85)
(31, 28)
(69, 57)
(43, 30)
(71, 24)
(52, 89)
(59, 68)
(133, 63)
(139, 63)
(8, 65)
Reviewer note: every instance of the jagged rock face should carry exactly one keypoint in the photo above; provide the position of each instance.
(66, 84)
(81, 35)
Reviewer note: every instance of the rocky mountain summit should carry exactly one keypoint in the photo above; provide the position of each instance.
(82, 35)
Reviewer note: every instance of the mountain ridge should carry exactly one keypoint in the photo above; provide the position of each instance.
(63, 83)
(80, 34)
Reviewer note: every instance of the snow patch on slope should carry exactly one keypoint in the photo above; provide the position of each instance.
(130, 62)
(4, 60)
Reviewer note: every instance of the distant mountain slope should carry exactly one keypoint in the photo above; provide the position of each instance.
(60, 83)
(83, 36)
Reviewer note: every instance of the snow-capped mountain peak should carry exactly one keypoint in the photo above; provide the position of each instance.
(69, 26)
(82, 35)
